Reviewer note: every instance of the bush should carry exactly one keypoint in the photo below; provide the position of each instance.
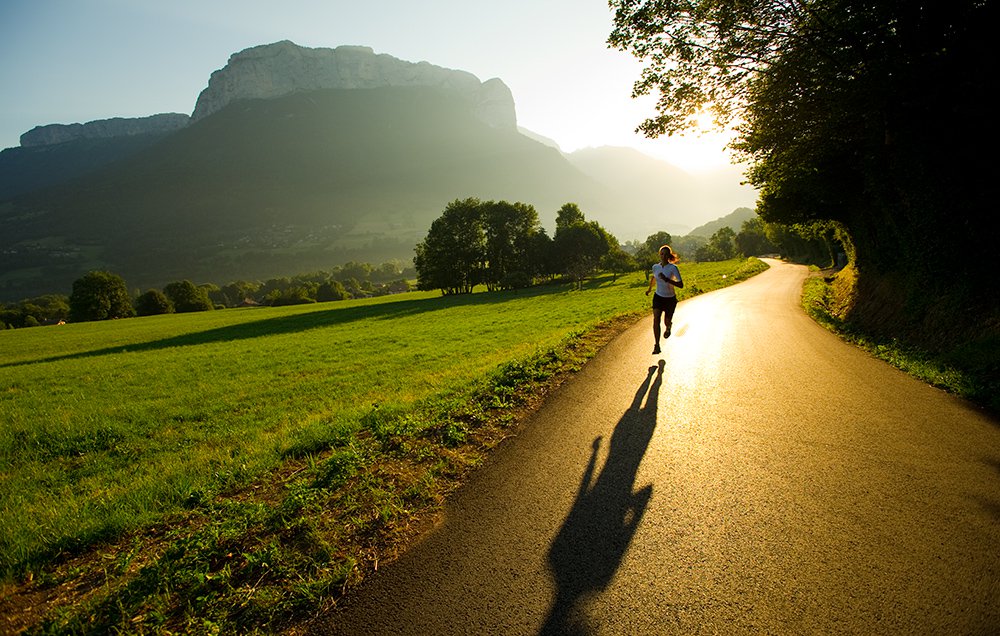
(187, 297)
(292, 296)
(153, 303)
(516, 280)
(332, 290)
(100, 296)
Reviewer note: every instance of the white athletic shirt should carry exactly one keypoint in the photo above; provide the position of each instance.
(664, 288)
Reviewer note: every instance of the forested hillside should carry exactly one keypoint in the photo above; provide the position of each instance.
(278, 186)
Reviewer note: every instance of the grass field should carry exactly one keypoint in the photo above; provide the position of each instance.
(260, 431)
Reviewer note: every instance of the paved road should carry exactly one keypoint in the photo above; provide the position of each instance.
(758, 477)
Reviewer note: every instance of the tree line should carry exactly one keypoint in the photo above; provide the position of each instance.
(502, 245)
(102, 295)
(497, 244)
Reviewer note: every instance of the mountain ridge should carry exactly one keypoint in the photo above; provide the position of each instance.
(276, 185)
(269, 186)
(282, 68)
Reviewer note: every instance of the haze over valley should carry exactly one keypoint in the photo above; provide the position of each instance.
(298, 158)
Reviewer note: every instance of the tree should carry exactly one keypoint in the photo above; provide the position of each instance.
(100, 295)
(851, 111)
(387, 271)
(724, 241)
(655, 241)
(398, 286)
(47, 309)
(295, 295)
(720, 246)
(708, 253)
(649, 251)
(509, 228)
(353, 269)
(453, 255)
(10, 317)
(331, 290)
(569, 214)
(580, 246)
(153, 303)
(540, 261)
(752, 239)
(618, 261)
(214, 294)
(687, 246)
(816, 243)
(188, 297)
(238, 292)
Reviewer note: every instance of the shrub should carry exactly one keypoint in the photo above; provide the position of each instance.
(153, 303)
(100, 296)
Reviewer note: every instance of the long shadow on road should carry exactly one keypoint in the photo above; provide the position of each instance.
(599, 528)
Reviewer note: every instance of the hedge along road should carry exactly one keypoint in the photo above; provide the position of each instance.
(759, 476)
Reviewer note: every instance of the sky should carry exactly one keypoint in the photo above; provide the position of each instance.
(69, 61)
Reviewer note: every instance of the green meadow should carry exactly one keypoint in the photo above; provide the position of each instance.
(110, 428)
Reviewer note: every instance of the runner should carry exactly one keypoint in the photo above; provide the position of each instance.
(665, 276)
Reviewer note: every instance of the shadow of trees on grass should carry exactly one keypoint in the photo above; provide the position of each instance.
(289, 324)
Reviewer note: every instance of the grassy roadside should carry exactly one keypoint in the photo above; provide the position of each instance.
(271, 483)
(969, 370)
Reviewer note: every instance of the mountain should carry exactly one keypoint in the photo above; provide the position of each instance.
(284, 68)
(283, 185)
(114, 128)
(733, 220)
(542, 139)
(654, 188)
(27, 168)
(660, 195)
(295, 160)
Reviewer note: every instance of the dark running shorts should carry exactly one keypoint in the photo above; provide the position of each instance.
(667, 305)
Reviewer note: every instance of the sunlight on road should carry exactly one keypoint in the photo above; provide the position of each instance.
(694, 353)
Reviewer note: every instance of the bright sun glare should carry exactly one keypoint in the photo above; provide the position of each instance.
(701, 148)
(703, 121)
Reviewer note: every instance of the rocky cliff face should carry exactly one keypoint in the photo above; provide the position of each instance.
(103, 129)
(273, 70)
(282, 68)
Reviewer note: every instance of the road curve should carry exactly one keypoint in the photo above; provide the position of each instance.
(757, 477)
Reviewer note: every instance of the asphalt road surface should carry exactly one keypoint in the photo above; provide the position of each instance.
(757, 477)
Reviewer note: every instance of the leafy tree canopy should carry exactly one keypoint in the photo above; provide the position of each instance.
(581, 245)
(648, 252)
(50, 308)
(100, 295)
(153, 303)
(509, 228)
(568, 215)
(852, 111)
(452, 256)
(187, 297)
(473, 242)
(752, 239)
(720, 246)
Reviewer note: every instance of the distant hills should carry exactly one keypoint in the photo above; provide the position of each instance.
(260, 187)
(657, 195)
(733, 220)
